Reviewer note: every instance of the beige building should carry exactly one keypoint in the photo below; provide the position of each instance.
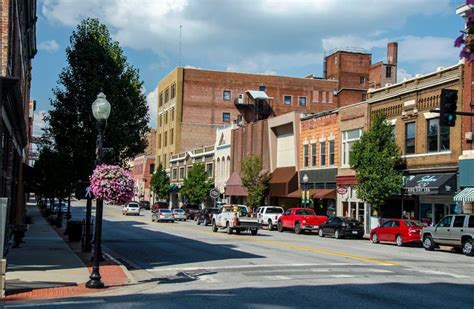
(222, 157)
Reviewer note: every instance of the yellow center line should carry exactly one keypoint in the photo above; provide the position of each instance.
(277, 243)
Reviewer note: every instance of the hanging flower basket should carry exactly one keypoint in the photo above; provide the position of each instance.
(112, 183)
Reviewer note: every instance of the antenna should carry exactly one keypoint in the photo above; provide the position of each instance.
(179, 58)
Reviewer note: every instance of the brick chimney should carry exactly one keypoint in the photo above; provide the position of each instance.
(392, 53)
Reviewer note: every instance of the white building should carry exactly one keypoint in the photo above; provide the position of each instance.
(222, 157)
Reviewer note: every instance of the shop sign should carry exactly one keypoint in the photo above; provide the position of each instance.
(341, 190)
(419, 189)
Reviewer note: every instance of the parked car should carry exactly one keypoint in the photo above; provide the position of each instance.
(269, 215)
(179, 214)
(454, 230)
(234, 218)
(145, 205)
(161, 215)
(300, 220)
(132, 208)
(341, 227)
(205, 216)
(159, 205)
(192, 213)
(399, 231)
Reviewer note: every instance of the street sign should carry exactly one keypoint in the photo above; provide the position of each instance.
(214, 193)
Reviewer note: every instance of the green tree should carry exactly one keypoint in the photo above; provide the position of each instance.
(376, 161)
(54, 167)
(96, 64)
(160, 183)
(254, 179)
(196, 185)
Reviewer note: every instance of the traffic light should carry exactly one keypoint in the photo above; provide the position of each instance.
(447, 107)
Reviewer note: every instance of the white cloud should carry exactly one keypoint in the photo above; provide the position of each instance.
(152, 102)
(48, 45)
(403, 74)
(350, 41)
(39, 123)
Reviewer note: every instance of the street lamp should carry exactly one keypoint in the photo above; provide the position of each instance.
(101, 112)
(305, 188)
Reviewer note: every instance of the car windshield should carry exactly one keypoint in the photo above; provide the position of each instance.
(178, 210)
(166, 211)
(413, 223)
(213, 210)
(133, 205)
(274, 210)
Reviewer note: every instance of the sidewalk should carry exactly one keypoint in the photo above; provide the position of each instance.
(47, 267)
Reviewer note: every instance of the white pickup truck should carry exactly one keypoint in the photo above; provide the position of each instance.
(269, 215)
(234, 218)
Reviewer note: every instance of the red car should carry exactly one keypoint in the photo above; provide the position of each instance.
(300, 220)
(399, 231)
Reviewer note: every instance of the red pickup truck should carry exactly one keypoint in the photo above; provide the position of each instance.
(300, 220)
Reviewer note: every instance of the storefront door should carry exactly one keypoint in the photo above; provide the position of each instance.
(440, 210)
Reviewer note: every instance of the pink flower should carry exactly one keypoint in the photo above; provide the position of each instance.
(112, 183)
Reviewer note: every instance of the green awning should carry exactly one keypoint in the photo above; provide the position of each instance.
(466, 195)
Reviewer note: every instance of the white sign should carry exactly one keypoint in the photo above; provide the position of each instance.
(214, 193)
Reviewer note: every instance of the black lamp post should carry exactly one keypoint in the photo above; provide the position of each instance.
(101, 112)
(305, 188)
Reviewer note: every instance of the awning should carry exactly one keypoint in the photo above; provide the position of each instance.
(234, 186)
(315, 193)
(174, 188)
(258, 95)
(424, 184)
(283, 181)
(466, 195)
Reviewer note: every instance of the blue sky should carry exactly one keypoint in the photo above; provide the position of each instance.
(260, 36)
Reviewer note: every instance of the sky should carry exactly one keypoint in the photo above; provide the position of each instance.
(279, 37)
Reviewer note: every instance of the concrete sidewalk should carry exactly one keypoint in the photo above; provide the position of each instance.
(43, 261)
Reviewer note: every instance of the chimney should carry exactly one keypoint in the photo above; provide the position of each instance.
(392, 53)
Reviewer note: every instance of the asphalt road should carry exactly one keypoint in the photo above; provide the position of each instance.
(182, 265)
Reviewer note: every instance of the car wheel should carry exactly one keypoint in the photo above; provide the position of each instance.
(428, 243)
(399, 240)
(152, 219)
(337, 234)
(237, 231)
(228, 228)
(197, 222)
(298, 228)
(254, 232)
(206, 222)
(214, 227)
(280, 227)
(321, 233)
(172, 221)
(375, 238)
(467, 247)
(270, 225)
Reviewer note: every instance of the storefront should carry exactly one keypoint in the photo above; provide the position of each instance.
(349, 205)
(321, 186)
(234, 189)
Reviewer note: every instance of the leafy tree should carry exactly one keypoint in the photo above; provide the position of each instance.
(96, 64)
(160, 183)
(376, 160)
(196, 185)
(254, 180)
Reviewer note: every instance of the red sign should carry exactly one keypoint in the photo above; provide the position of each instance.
(341, 190)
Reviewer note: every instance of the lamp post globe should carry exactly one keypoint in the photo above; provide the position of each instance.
(305, 178)
(305, 183)
(101, 107)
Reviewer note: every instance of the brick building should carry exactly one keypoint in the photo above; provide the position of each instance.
(143, 167)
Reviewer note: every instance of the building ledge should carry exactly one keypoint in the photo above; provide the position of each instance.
(427, 154)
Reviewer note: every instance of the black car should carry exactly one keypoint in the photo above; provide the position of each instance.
(205, 216)
(144, 205)
(340, 227)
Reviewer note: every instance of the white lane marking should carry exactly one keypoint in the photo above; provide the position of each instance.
(224, 267)
(209, 279)
(282, 277)
(374, 270)
(342, 276)
(437, 272)
(61, 303)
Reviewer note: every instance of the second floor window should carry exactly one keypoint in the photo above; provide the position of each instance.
(287, 100)
(437, 136)
(175, 173)
(410, 133)
(302, 101)
(306, 155)
(322, 153)
(331, 152)
(313, 154)
(209, 169)
(227, 95)
(226, 117)
(349, 138)
(181, 173)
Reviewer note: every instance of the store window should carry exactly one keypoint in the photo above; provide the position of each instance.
(313, 154)
(348, 140)
(306, 155)
(437, 137)
(410, 133)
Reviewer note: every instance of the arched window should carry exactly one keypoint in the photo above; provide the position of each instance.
(223, 168)
(228, 167)
(218, 166)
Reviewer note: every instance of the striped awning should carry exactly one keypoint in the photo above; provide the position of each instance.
(466, 195)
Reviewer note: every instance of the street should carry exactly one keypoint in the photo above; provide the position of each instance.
(188, 266)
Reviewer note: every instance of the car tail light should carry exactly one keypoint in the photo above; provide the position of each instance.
(276, 217)
(236, 221)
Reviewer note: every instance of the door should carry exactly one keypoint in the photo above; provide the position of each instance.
(439, 212)
(384, 230)
(285, 218)
(442, 230)
(328, 226)
(393, 231)
(457, 230)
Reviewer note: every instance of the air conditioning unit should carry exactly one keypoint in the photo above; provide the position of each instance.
(240, 100)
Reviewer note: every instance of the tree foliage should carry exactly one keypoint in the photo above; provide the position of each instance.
(55, 168)
(196, 185)
(254, 179)
(160, 183)
(376, 160)
(96, 64)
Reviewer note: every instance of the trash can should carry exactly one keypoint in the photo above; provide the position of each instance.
(74, 230)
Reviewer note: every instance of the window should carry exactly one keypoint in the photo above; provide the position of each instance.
(172, 114)
(173, 91)
(152, 168)
(175, 173)
(227, 95)
(165, 139)
(302, 101)
(209, 169)
(388, 71)
(288, 212)
(410, 133)
(165, 164)
(322, 149)
(388, 224)
(171, 136)
(306, 155)
(446, 222)
(287, 100)
(438, 137)
(348, 140)
(226, 117)
(166, 117)
(160, 120)
(167, 95)
(364, 96)
(313, 154)
(159, 140)
(160, 101)
(181, 173)
(362, 80)
(331, 152)
(459, 221)
(471, 221)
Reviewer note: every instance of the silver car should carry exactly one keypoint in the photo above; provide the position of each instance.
(161, 215)
(179, 214)
(454, 230)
